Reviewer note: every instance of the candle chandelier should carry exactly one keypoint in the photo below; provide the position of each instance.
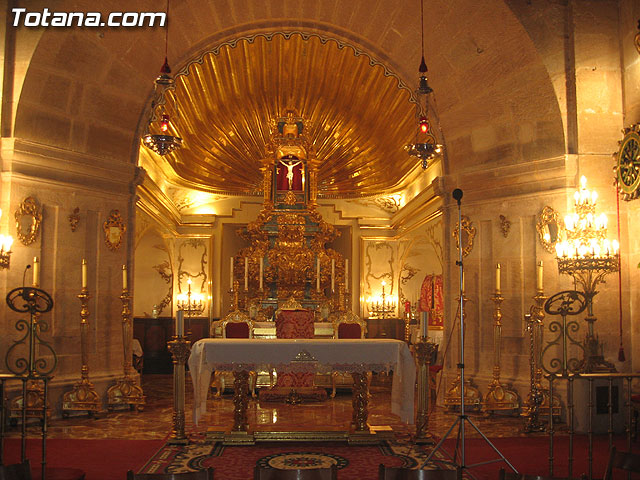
(162, 143)
(191, 303)
(588, 255)
(381, 306)
(425, 146)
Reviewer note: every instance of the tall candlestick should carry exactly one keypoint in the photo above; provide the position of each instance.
(498, 278)
(318, 274)
(84, 273)
(424, 324)
(246, 273)
(333, 274)
(124, 277)
(346, 275)
(36, 272)
(180, 323)
(231, 273)
(261, 271)
(539, 276)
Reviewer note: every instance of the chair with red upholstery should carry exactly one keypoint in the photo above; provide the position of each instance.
(236, 324)
(346, 325)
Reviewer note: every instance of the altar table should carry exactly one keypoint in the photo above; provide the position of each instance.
(356, 356)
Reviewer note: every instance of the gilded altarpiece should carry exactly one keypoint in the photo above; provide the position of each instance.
(287, 254)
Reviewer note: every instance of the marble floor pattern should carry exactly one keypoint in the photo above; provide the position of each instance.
(155, 421)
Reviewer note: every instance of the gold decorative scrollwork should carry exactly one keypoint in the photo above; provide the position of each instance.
(468, 234)
(114, 229)
(549, 227)
(28, 220)
(505, 226)
(74, 219)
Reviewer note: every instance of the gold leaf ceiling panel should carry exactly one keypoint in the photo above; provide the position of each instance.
(358, 115)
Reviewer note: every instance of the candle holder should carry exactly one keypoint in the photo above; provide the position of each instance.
(34, 369)
(180, 349)
(191, 303)
(452, 397)
(538, 399)
(499, 397)
(126, 391)
(381, 307)
(83, 396)
(424, 351)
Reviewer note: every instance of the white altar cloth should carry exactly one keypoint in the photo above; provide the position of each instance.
(346, 355)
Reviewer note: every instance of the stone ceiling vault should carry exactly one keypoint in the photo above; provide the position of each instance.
(88, 90)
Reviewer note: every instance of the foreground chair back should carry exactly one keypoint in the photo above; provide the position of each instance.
(630, 462)
(399, 473)
(330, 473)
(18, 471)
(199, 475)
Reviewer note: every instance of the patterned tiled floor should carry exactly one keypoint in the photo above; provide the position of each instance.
(156, 419)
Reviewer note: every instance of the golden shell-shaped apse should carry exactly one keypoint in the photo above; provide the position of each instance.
(357, 114)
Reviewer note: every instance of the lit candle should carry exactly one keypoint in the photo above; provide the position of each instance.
(317, 274)
(261, 271)
(333, 274)
(497, 278)
(180, 323)
(539, 276)
(84, 273)
(346, 275)
(231, 272)
(124, 277)
(246, 273)
(462, 282)
(424, 324)
(36, 272)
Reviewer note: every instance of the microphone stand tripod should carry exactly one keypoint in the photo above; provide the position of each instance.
(462, 418)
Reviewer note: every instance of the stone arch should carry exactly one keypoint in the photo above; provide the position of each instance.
(86, 90)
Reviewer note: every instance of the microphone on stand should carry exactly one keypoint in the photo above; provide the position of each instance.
(24, 273)
(457, 195)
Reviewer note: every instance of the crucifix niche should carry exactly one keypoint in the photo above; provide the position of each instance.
(292, 165)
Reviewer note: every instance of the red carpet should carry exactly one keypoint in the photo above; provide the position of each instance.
(530, 455)
(100, 459)
(237, 462)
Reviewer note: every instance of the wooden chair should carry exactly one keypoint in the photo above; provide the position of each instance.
(262, 473)
(18, 471)
(236, 324)
(347, 325)
(206, 474)
(630, 462)
(400, 473)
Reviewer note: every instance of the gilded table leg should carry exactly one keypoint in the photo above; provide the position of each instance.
(240, 400)
(360, 401)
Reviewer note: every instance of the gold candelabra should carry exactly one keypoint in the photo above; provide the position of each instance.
(180, 349)
(588, 256)
(191, 303)
(126, 391)
(499, 397)
(381, 306)
(83, 396)
(424, 350)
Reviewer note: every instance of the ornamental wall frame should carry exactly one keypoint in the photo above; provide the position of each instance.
(114, 229)
(28, 220)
